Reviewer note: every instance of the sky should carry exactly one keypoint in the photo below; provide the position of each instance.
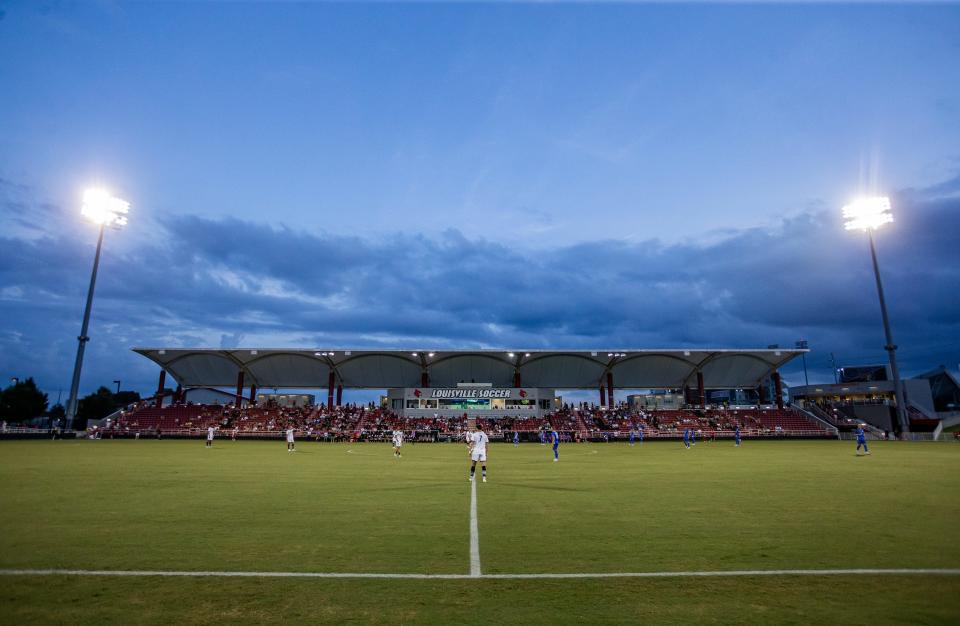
(468, 175)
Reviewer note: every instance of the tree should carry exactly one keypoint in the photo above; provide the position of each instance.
(22, 401)
(100, 404)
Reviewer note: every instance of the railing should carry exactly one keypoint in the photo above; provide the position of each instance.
(830, 427)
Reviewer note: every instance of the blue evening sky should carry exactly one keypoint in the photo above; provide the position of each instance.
(469, 175)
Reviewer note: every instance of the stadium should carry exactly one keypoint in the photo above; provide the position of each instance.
(479, 313)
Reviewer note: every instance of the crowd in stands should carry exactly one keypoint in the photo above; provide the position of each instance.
(369, 423)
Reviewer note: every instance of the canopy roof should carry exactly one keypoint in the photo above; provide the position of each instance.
(386, 369)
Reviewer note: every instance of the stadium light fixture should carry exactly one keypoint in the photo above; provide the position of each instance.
(527, 354)
(103, 209)
(869, 214)
(511, 354)
(430, 355)
(413, 354)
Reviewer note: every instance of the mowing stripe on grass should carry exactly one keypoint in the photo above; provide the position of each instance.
(718, 574)
(474, 532)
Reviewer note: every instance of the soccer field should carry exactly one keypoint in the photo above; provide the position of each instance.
(174, 506)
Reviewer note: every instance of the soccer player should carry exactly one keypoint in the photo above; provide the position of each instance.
(736, 436)
(210, 431)
(555, 440)
(862, 440)
(478, 451)
(397, 442)
(686, 438)
(543, 438)
(632, 436)
(693, 437)
(641, 434)
(291, 446)
(516, 439)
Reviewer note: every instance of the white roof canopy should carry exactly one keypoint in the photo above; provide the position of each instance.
(385, 369)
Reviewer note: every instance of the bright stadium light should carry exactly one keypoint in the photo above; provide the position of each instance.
(511, 354)
(867, 213)
(103, 209)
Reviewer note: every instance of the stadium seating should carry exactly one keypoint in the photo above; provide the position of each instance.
(375, 424)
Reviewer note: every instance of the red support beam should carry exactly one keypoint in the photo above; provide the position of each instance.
(603, 395)
(701, 392)
(160, 384)
(253, 395)
(178, 395)
(516, 379)
(330, 381)
(339, 395)
(610, 390)
(762, 391)
(239, 398)
(424, 379)
(778, 384)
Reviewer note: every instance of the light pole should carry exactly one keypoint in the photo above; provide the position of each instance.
(869, 214)
(118, 385)
(105, 210)
(802, 345)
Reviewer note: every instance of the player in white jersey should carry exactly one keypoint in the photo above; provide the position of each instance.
(397, 442)
(291, 446)
(210, 431)
(478, 451)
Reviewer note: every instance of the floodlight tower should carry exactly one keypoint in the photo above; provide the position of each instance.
(869, 214)
(105, 210)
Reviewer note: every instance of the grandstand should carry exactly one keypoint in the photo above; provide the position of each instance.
(429, 395)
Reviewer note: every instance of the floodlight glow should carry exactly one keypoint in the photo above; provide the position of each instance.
(867, 213)
(510, 354)
(102, 208)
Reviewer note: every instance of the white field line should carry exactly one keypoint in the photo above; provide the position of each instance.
(474, 531)
(691, 574)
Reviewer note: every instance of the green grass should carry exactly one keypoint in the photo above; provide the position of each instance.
(604, 508)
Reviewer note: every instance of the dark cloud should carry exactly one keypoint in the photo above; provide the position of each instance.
(203, 282)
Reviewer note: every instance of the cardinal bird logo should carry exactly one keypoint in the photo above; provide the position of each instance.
(523, 394)
(417, 393)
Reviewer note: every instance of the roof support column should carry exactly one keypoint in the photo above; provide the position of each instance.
(330, 382)
(778, 385)
(603, 395)
(178, 395)
(253, 395)
(610, 390)
(339, 395)
(239, 399)
(160, 384)
(424, 378)
(516, 379)
(701, 392)
(762, 391)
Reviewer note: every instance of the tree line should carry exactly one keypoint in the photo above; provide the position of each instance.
(23, 401)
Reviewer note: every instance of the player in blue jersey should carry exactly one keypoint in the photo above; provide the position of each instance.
(632, 436)
(555, 440)
(640, 432)
(862, 440)
(686, 438)
(543, 438)
(516, 439)
(693, 437)
(736, 436)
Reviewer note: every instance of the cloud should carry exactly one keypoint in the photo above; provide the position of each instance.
(228, 282)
